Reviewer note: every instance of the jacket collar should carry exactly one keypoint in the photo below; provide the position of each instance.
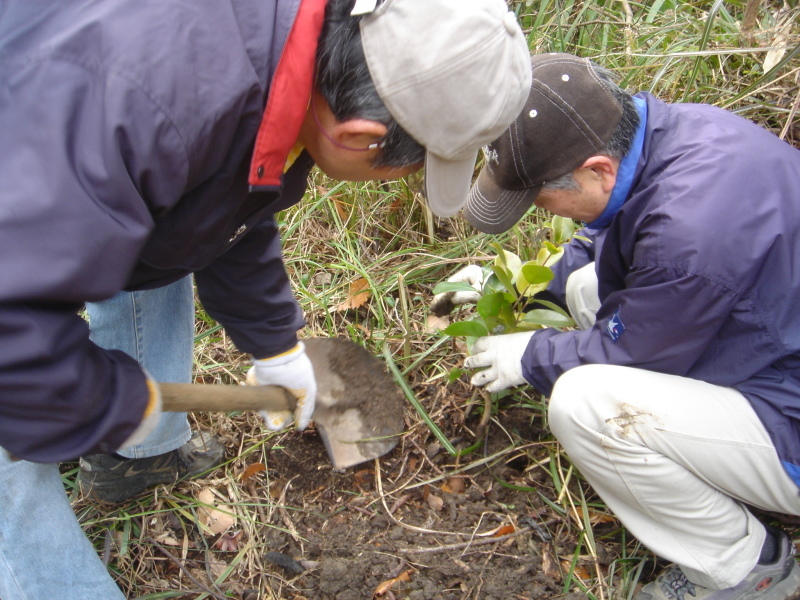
(626, 172)
(288, 97)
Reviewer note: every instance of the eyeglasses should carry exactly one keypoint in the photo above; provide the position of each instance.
(380, 144)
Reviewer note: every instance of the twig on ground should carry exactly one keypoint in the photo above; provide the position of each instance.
(460, 545)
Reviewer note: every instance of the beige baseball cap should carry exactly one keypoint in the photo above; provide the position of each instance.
(454, 74)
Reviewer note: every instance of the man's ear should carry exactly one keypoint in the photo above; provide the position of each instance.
(604, 168)
(357, 133)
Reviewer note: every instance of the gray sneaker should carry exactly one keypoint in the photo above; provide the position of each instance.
(779, 580)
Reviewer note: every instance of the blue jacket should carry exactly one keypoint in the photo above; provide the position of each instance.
(127, 135)
(699, 271)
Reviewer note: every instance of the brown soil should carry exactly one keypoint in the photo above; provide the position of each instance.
(420, 527)
(416, 524)
(458, 537)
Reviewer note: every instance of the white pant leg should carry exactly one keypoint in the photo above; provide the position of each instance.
(583, 301)
(674, 458)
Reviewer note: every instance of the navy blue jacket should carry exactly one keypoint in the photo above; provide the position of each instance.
(127, 131)
(699, 271)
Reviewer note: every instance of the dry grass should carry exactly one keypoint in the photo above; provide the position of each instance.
(383, 234)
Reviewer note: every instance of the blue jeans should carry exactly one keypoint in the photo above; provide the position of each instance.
(43, 551)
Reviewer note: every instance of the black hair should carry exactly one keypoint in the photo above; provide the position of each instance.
(343, 79)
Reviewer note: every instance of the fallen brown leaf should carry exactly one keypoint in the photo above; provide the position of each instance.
(579, 571)
(434, 323)
(357, 296)
(340, 208)
(385, 587)
(505, 530)
(435, 502)
(453, 485)
(214, 518)
(549, 564)
(252, 471)
(597, 517)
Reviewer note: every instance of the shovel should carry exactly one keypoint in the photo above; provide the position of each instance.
(358, 410)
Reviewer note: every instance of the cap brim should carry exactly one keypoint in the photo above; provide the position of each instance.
(447, 183)
(494, 209)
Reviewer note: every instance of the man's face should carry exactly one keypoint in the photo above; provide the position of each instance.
(587, 203)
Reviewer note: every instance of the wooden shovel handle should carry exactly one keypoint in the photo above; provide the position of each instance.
(198, 397)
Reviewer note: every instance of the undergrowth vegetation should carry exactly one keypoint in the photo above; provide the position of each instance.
(365, 257)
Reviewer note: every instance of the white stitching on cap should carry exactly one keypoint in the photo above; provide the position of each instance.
(519, 164)
(484, 211)
(587, 62)
(586, 125)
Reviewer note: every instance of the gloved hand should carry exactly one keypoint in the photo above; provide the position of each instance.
(294, 371)
(474, 275)
(502, 357)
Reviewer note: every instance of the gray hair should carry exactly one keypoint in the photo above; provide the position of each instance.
(343, 79)
(622, 138)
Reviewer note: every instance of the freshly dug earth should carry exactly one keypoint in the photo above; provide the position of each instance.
(498, 523)
(458, 537)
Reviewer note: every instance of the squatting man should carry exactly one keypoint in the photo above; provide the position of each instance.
(678, 397)
(143, 142)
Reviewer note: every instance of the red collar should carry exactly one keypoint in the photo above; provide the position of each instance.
(288, 98)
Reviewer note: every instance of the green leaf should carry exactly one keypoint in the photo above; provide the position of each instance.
(507, 260)
(505, 278)
(490, 305)
(454, 374)
(563, 229)
(536, 273)
(555, 308)
(547, 318)
(464, 328)
(533, 279)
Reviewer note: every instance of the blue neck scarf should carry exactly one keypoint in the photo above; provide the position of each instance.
(627, 169)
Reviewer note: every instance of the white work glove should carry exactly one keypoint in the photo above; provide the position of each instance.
(474, 275)
(502, 357)
(294, 371)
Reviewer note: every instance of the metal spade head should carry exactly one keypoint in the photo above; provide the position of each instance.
(359, 408)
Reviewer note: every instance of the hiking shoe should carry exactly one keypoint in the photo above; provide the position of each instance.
(779, 580)
(114, 479)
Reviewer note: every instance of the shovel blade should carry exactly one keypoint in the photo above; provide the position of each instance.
(359, 408)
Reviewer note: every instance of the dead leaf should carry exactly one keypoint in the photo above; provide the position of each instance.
(453, 485)
(779, 43)
(252, 471)
(385, 587)
(166, 539)
(340, 208)
(363, 478)
(434, 323)
(549, 564)
(357, 296)
(578, 571)
(228, 542)
(399, 502)
(596, 517)
(435, 502)
(504, 530)
(214, 518)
